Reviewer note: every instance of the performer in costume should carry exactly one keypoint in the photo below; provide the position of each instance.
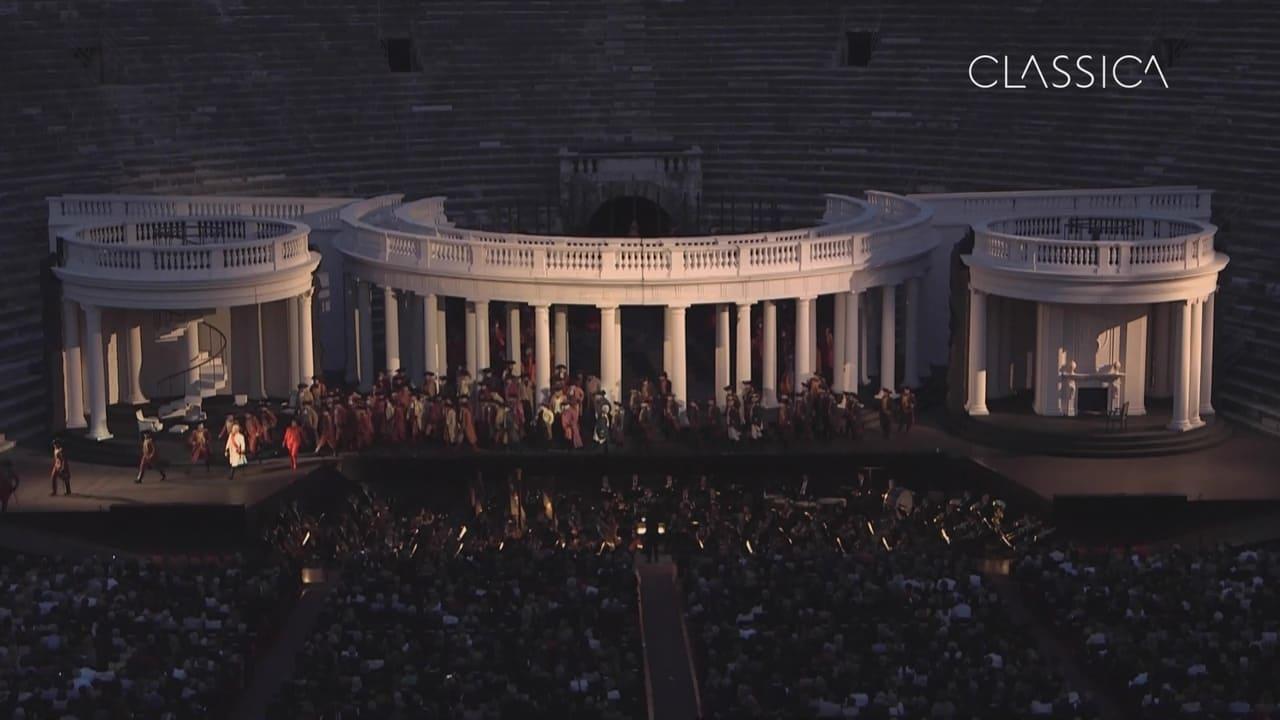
(326, 433)
(236, 450)
(546, 422)
(732, 415)
(906, 410)
(269, 422)
(252, 430)
(467, 420)
(885, 399)
(149, 459)
(293, 442)
(452, 434)
(604, 412)
(61, 469)
(569, 422)
(199, 444)
(664, 385)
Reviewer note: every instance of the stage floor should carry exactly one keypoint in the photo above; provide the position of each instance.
(96, 488)
(1016, 414)
(1242, 468)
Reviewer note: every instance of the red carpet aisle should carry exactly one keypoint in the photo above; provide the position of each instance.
(673, 691)
(276, 667)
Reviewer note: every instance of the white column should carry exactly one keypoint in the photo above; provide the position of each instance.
(112, 367)
(888, 323)
(72, 370)
(415, 359)
(430, 334)
(442, 339)
(744, 344)
(562, 336)
(864, 319)
(803, 364)
(136, 397)
(364, 327)
(1193, 376)
(814, 357)
(616, 395)
(838, 331)
(262, 355)
(483, 356)
(911, 343)
(541, 352)
(666, 342)
(852, 348)
(97, 373)
(192, 339)
(769, 355)
(1181, 330)
(607, 326)
(1206, 359)
(513, 336)
(295, 346)
(1046, 400)
(391, 327)
(608, 350)
(307, 349)
(977, 404)
(679, 381)
(470, 334)
(722, 352)
(1134, 383)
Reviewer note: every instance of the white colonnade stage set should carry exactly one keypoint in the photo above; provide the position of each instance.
(1070, 292)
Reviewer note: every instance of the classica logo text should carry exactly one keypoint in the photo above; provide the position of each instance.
(1064, 71)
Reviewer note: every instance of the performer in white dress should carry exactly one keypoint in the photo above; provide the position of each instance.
(235, 452)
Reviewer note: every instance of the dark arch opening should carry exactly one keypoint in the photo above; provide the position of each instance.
(629, 216)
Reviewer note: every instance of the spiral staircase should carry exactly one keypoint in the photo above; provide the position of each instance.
(209, 364)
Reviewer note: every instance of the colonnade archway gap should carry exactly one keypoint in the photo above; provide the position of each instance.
(629, 216)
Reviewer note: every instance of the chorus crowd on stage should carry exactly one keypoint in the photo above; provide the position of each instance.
(499, 410)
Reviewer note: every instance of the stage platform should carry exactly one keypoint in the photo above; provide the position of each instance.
(122, 448)
(1012, 425)
(96, 488)
(1239, 469)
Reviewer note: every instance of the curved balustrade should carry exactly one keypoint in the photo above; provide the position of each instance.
(966, 208)
(321, 213)
(181, 249)
(424, 212)
(834, 244)
(1090, 245)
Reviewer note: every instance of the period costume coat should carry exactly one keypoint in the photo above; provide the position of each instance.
(236, 449)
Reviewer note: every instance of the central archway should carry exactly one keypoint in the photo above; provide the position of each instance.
(629, 216)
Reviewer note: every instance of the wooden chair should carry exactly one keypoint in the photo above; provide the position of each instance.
(1119, 419)
(147, 423)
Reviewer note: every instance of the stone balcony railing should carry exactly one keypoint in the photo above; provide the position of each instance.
(1122, 246)
(853, 234)
(184, 249)
(427, 212)
(968, 208)
(319, 213)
